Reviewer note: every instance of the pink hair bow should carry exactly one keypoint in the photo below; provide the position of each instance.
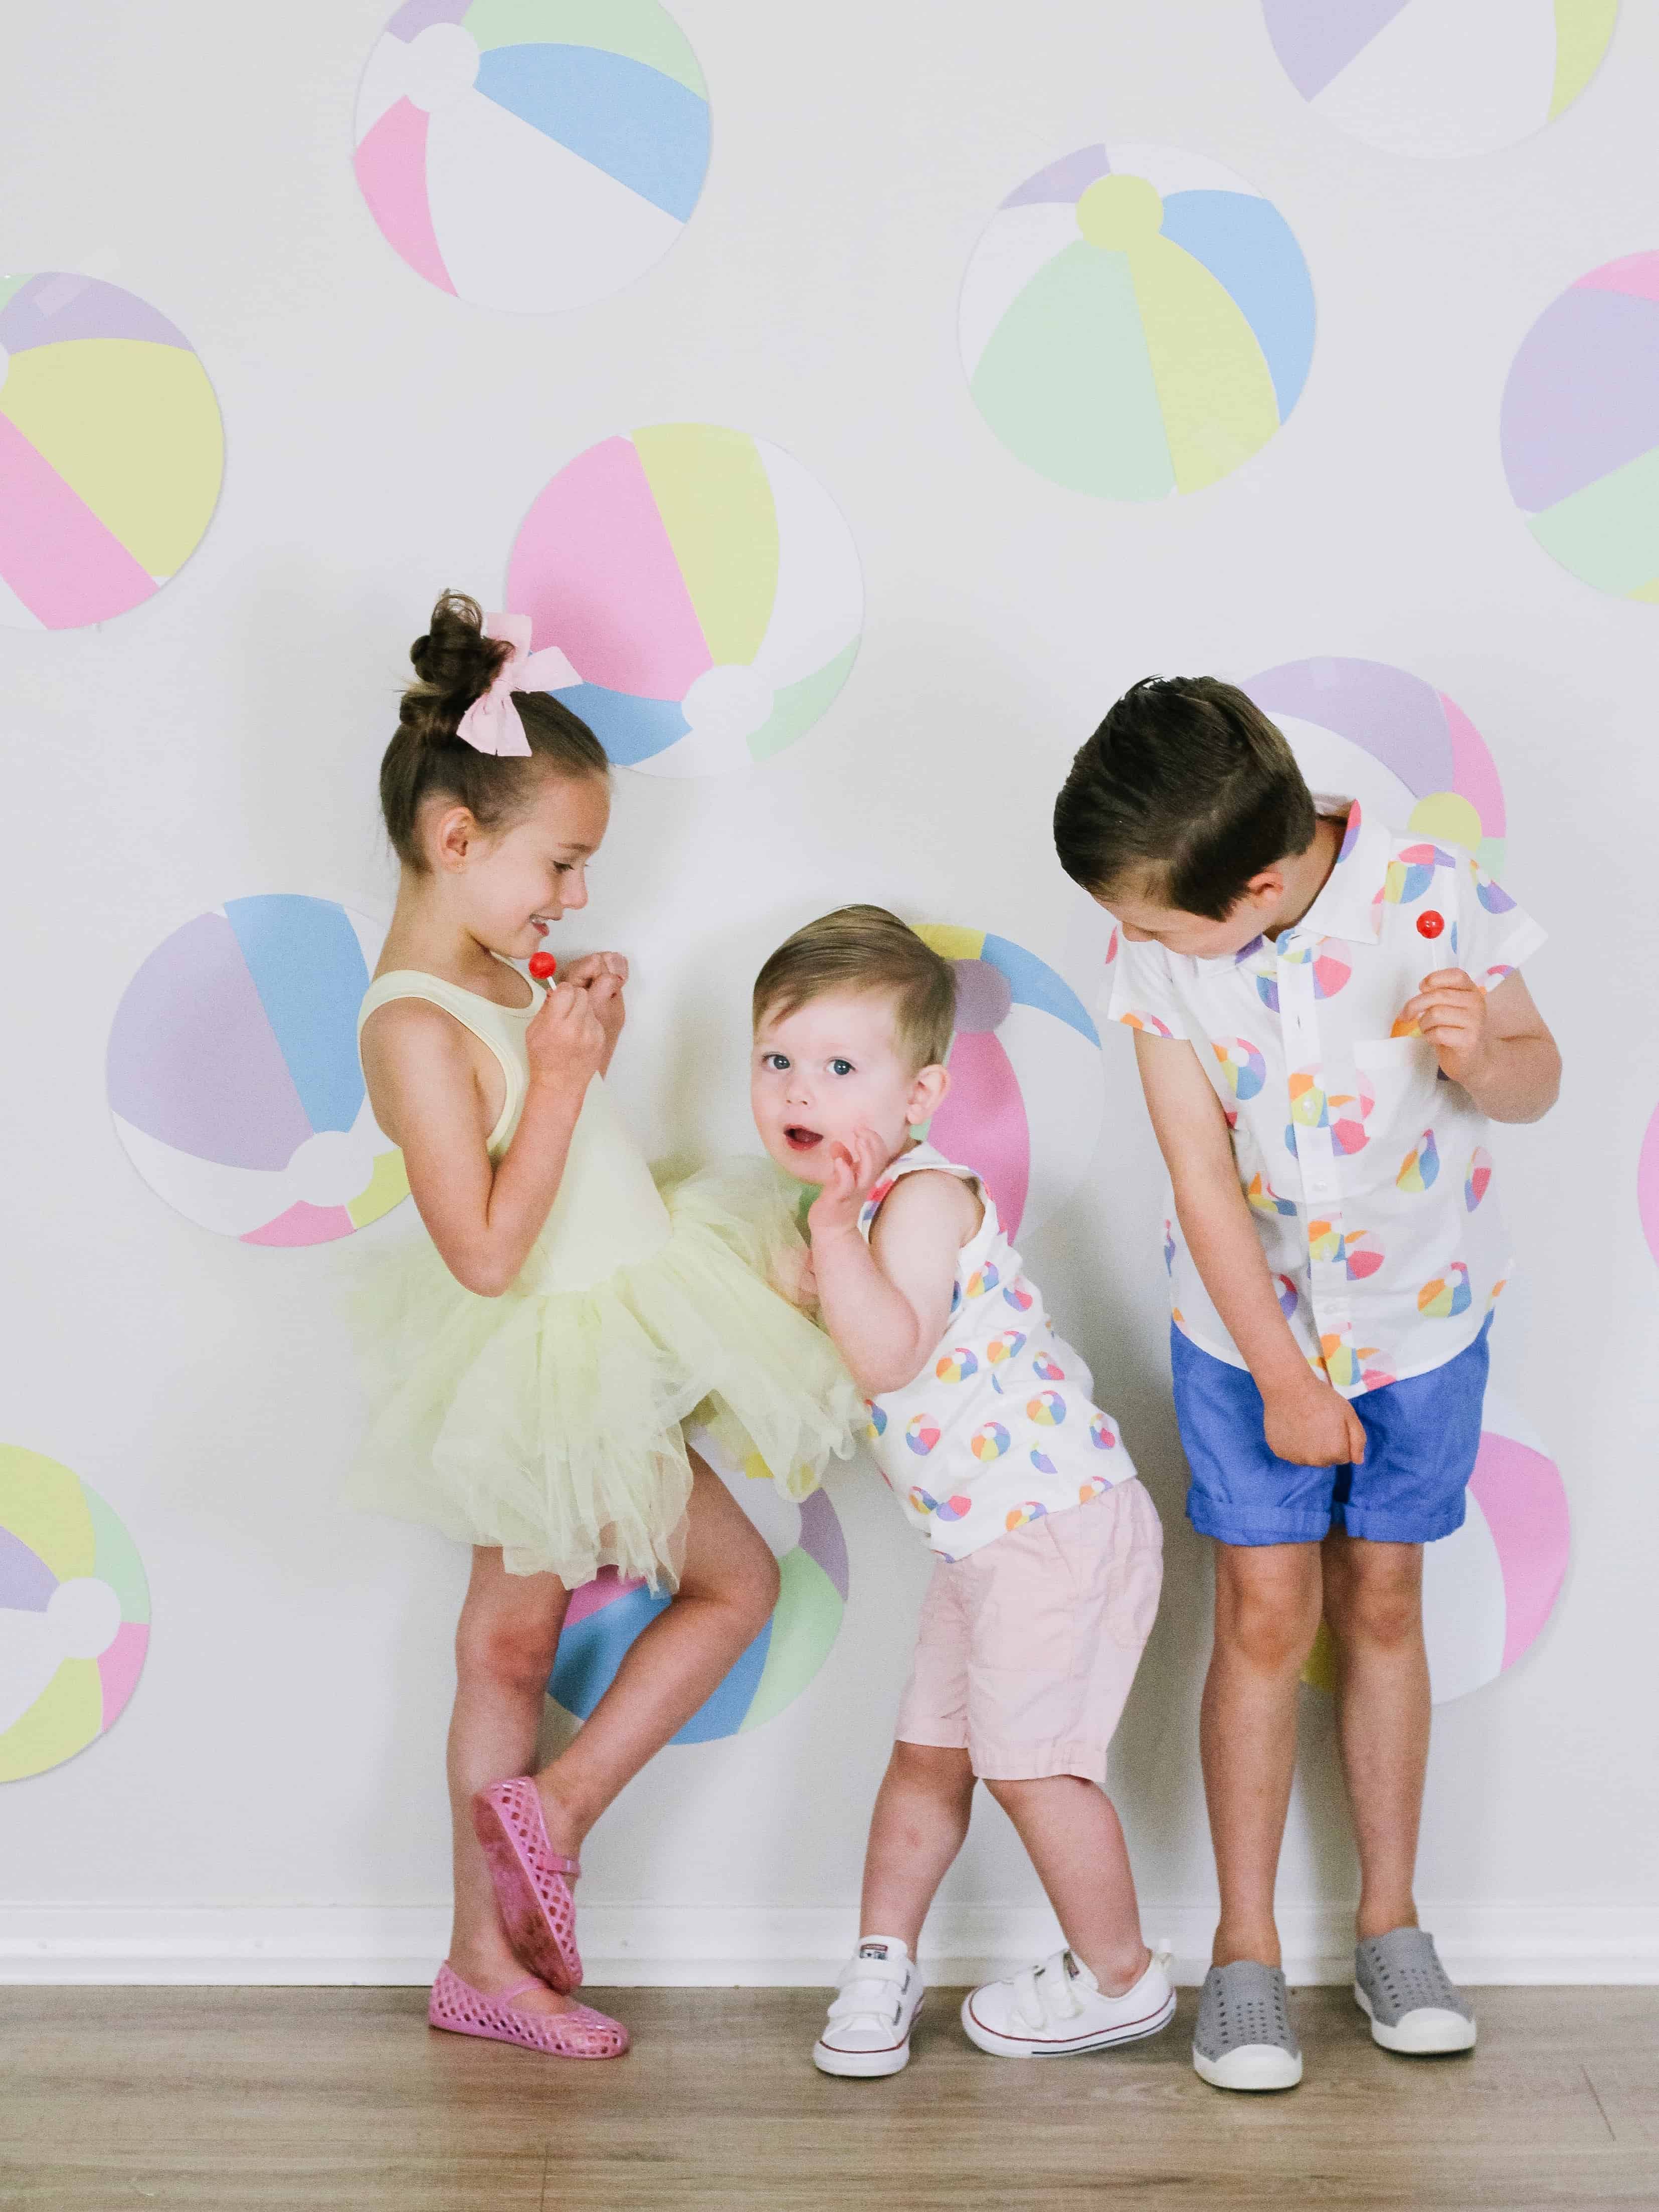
(492, 723)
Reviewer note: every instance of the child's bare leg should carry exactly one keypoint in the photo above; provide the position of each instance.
(1374, 1602)
(920, 1819)
(504, 1647)
(728, 1587)
(1266, 1615)
(1073, 1837)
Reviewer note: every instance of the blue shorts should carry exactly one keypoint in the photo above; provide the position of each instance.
(1421, 1438)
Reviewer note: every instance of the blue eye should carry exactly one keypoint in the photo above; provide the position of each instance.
(776, 1062)
(840, 1067)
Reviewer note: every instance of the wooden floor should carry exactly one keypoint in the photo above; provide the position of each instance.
(244, 2100)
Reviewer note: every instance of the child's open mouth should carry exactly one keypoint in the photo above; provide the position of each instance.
(803, 1140)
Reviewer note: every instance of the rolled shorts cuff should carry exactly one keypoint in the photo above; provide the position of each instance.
(1247, 1525)
(1374, 1528)
(1039, 1762)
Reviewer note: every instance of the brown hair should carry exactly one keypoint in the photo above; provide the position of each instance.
(1187, 782)
(865, 948)
(456, 664)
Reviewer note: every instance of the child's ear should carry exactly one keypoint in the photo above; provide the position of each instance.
(1265, 887)
(926, 1094)
(452, 833)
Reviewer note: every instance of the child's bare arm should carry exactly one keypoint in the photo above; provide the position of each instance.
(885, 1303)
(1496, 1043)
(1307, 1422)
(484, 1216)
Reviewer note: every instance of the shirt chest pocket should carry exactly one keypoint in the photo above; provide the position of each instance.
(1399, 1076)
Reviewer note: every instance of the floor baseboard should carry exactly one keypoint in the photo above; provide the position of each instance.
(762, 1947)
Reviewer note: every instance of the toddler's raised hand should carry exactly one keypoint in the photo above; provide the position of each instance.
(854, 1172)
(567, 1041)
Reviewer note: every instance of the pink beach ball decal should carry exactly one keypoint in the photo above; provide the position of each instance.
(1407, 752)
(1027, 1086)
(233, 1076)
(1490, 1587)
(704, 586)
(532, 155)
(73, 1614)
(111, 450)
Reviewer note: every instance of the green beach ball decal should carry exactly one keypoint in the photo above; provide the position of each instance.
(607, 1614)
(1136, 322)
(73, 1614)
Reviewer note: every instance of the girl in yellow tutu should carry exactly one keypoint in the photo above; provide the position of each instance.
(542, 1352)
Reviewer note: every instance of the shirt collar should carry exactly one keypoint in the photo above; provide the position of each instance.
(1350, 903)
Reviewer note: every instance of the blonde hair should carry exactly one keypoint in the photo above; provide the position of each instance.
(865, 948)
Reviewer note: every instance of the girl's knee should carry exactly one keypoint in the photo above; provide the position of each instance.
(762, 1584)
(514, 1652)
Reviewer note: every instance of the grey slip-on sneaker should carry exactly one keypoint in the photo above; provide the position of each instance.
(1243, 2039)
(1413, 2003)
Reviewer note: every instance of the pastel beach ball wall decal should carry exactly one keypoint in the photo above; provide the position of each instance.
(607, 1614)
(1027, 1082)
(73, 1614)
(705, 588)
(532, 155)
(1136, 322)
(1490, 1587)
(1379, 734)
(1439, 78)
(233, 1076)
(112, 450)
(1580, 428)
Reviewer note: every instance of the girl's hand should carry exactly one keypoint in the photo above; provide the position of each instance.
(591, 966)
(1452, 1012)
(603, 975)
(853, 1174)
(1310, 1425)
(567, 1041)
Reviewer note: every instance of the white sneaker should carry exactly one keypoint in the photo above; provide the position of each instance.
(868, 2031)
(1056, 2008)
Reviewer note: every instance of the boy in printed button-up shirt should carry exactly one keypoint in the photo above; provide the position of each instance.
(1327, 1015)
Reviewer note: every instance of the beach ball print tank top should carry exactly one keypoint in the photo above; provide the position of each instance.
(999, 1428)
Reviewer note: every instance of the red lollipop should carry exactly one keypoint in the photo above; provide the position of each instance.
(543, 967)
(1428, 925)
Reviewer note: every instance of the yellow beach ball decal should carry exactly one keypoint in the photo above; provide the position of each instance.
(111, 450)
(1136, 322)
(73, 1614)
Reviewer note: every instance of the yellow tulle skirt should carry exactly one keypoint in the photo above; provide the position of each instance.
(552, 1426)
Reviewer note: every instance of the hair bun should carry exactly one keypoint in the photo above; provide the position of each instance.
(456, 664)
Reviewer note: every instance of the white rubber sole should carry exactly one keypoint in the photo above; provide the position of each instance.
(1015, 2046)
(866, 2065)
(1253, 2066)
(1428, 2033)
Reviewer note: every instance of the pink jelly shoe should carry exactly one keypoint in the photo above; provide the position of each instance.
(532, 1881)
(460, 2010)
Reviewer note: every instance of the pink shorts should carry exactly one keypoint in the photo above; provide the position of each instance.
(1027, 1647)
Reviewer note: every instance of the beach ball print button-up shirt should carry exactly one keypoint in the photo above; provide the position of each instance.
(1366, 1171)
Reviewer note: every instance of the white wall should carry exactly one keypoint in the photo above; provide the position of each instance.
(283, 1750)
